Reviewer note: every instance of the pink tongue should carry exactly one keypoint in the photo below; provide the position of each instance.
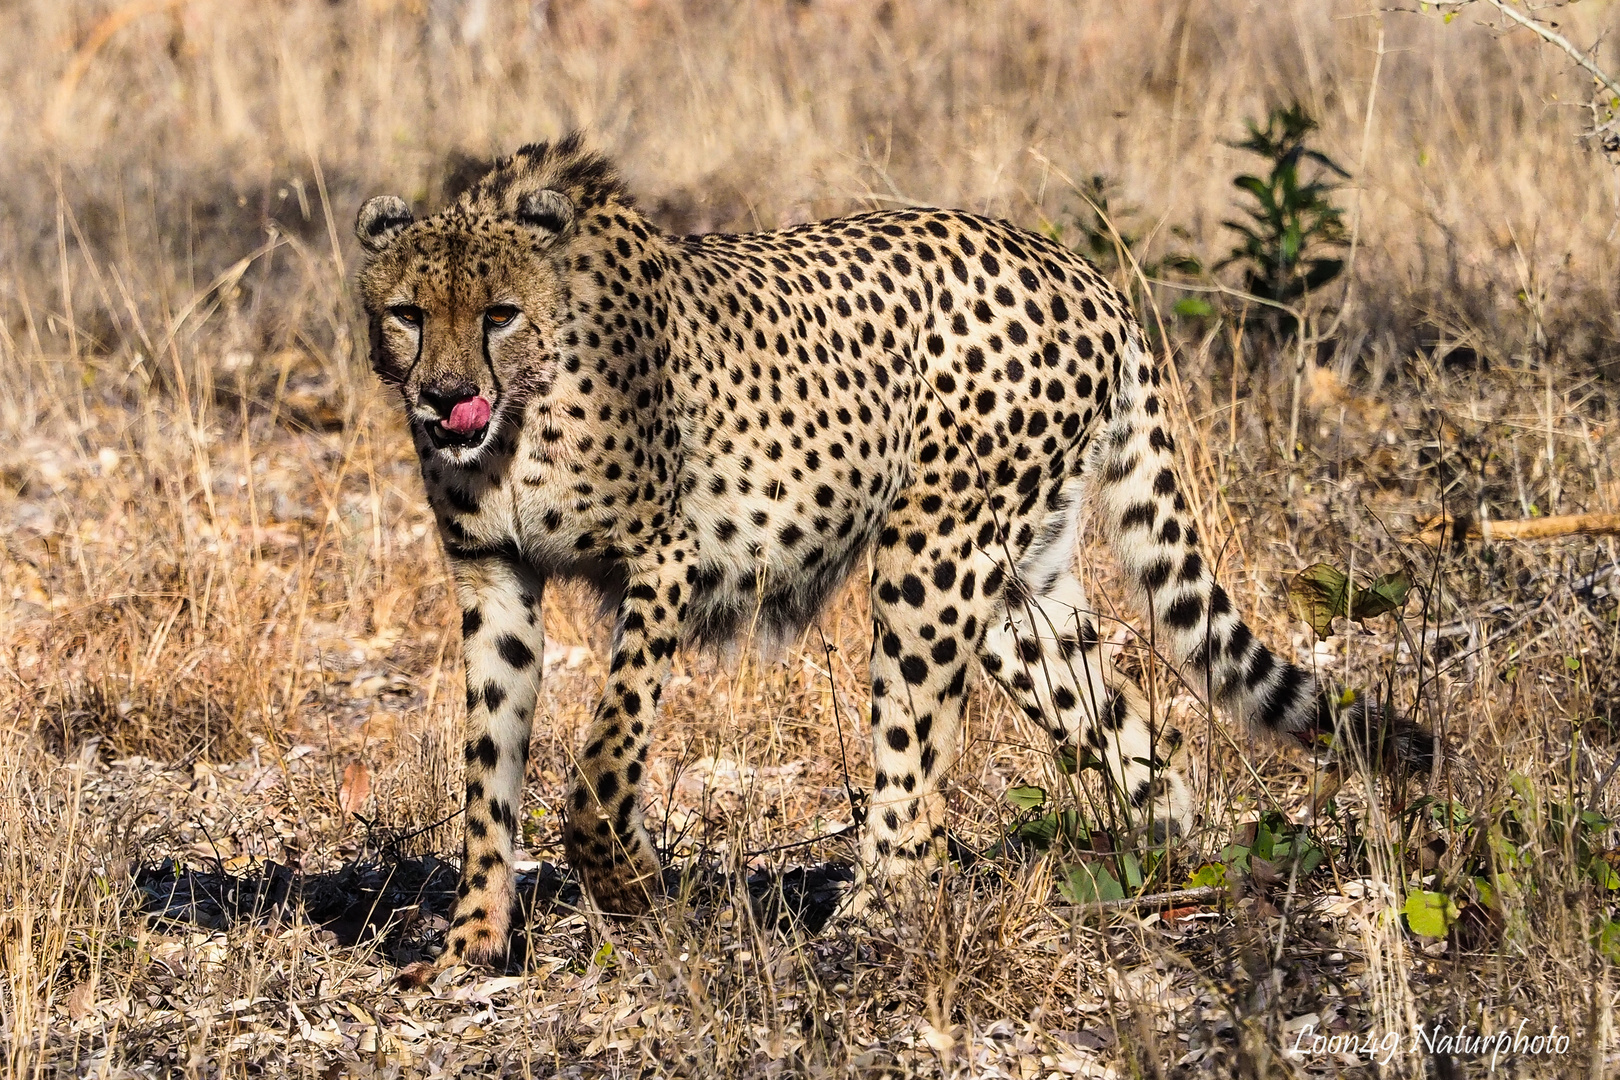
(468, 416)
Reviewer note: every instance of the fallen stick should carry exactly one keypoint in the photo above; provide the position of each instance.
(1541, 528)
(1177, 898)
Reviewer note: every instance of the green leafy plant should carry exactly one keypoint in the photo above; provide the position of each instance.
(1322, 592)
(1276, 843)
(1293, 220)
(1503, 860)
(1094, 866)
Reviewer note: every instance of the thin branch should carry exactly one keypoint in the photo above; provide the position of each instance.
(1542, 528)
(1547, 34)
(1178, 898)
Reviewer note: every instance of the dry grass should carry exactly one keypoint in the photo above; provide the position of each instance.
(224, 625)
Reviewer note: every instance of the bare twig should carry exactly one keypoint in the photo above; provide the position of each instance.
(1541, 528)
(1547, 34)
(1175, 898)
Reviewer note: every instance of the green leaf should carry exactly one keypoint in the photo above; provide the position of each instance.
(1458, 817)
(1604, 874)
(1322, 271)
(1131, 869)
(1323, 160)
(1608, 941)
(603, 956)
(1210, 874)
(1429, 913)
(1193, 307)
(1387, 593)
(1310, 859)
(1089, 882)
(1027, 797)
(1040, 832)
(1254, 186)
(1319, 594)
(1265, 841)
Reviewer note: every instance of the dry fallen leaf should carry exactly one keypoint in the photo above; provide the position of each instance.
(81, 1000)
(356, 787)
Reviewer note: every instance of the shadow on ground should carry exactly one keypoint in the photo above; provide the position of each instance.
(399, 903)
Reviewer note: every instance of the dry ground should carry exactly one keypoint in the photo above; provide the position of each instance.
(228, 681)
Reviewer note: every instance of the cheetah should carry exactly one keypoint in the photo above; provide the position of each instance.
(712, 430)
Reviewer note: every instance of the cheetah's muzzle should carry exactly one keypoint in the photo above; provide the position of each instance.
(714, 430)
(463, 432)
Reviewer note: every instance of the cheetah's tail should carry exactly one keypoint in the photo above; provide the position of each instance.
(1146, 518)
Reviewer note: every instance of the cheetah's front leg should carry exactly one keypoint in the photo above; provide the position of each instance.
(503, 639)
(606, 842)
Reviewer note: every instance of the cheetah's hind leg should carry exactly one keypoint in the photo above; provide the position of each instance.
(1044, 651)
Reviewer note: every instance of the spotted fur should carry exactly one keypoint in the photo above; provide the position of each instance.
(711, 430)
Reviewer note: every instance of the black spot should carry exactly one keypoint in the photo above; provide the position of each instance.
(1242, 637)
(1274, 711)
(1157, 573)
(1139, 515)
(1115, 711)
(514, 652)
(1259, 668)
(471, 620)
(914, 668)
(1185, 612)
(911, 587)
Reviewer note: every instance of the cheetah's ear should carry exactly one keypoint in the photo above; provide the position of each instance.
(380, 220)
(547, 211)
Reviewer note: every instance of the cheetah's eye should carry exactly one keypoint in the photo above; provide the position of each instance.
(500, 314)
(409, 314)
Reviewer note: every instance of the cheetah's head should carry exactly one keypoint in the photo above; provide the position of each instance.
(464, 308)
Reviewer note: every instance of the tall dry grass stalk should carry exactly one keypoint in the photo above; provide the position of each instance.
(222, 603)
